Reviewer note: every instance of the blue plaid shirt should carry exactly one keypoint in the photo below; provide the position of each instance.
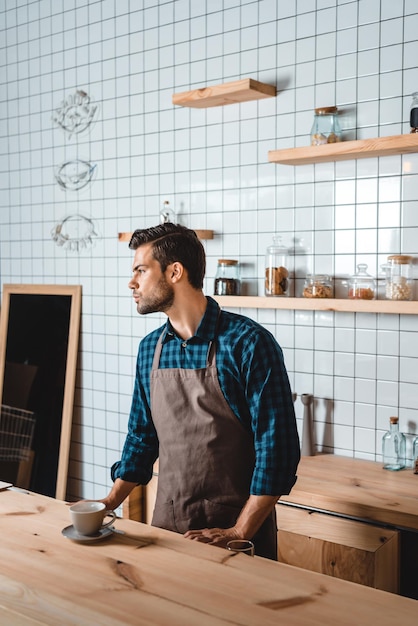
(254, 381)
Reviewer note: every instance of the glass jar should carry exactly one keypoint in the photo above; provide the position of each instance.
(394, 447)
(318, 286)
(326, 126)
(415, 455)
(227, 282)
(399, 277)
(413, 117)
(276, 274)
(361, 286)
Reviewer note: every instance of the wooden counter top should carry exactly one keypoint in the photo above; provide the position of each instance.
(151, 576)
(357, 488)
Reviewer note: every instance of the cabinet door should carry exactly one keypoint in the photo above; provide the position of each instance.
(343, 548)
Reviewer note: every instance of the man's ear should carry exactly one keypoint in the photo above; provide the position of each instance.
(175, 271)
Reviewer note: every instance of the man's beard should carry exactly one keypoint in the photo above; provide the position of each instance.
(159, 302)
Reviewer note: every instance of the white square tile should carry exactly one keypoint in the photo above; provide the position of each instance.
(408, 395)
(364, 440)
(347, 41)
(344, 340)
(343, 438)
(344, 364)
(323, 388)
(365, 414)
(387, 343)
(369, 11)
(390, 10)
(344, 413)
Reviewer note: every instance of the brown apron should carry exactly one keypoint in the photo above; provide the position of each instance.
(206, 456)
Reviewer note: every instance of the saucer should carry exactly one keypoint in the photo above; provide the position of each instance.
(71, 533)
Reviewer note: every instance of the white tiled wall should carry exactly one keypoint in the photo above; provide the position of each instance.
(211, 165)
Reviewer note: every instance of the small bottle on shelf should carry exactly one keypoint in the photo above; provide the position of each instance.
(415, 455)
(414, 113)
(326, 127)
(394, 447)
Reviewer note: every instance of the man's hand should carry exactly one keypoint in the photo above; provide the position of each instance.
(253, 514)
(214, 536)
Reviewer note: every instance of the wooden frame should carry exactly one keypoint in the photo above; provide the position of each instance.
(74, 291)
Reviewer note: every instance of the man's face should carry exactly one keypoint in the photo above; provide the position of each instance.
(150, 288)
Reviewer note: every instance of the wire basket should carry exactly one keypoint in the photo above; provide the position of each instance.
(16, 433)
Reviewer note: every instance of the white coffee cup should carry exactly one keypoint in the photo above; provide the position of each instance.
(87, 517)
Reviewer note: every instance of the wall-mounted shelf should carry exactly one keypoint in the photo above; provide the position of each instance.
(202, 234)
(227, 93)
(319, 304)
(359, 149)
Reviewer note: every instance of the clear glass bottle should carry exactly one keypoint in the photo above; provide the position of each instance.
(318, 286)
(227, 282)
(394, 447)
(361, 286)
(326, 126)
(413, 118)
(399, 281)
(415, 455)
(276, 281)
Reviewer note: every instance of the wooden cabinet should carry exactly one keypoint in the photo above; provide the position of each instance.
(343, 548)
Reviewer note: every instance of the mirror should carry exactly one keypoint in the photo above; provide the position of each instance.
(39, 333)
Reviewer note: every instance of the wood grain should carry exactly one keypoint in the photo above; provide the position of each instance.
(227, 93)
(151, 576)
(319, 304)
(358, 488)
(357, 149)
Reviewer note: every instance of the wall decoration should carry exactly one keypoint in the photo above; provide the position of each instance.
(75, 114)
(75, 232)
(74, 175)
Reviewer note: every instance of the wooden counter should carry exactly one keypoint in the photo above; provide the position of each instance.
(150, 576)
(357, 488)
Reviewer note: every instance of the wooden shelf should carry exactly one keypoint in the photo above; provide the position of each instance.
(202, 234)
(228, 93)
(359, 149)
(319, 304)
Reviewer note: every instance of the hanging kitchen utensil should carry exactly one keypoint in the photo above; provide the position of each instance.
(308, 445)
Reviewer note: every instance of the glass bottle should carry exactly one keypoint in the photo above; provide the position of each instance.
(326, 126)
(361, 285)
(277, 273)
(227, 282)
(415, 455)
(414, 113)
(394, 447)
(399, 277)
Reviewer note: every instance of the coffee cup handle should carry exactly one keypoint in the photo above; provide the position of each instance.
(111, 514)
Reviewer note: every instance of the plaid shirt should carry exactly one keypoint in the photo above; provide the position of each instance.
(254, 381)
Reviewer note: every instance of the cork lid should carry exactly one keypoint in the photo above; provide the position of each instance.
(400, 259)
(227, 262)
(326, 110)
(394, 420)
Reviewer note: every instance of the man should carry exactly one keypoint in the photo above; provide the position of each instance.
(212, 400)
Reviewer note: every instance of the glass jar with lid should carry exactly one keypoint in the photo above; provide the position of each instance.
(413, 116)
(318, 286)
(276, 281)
(326, 126)
(399, 277)
(227, 282)
(361, 286)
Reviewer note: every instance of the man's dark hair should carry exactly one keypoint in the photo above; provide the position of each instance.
(171, 243)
